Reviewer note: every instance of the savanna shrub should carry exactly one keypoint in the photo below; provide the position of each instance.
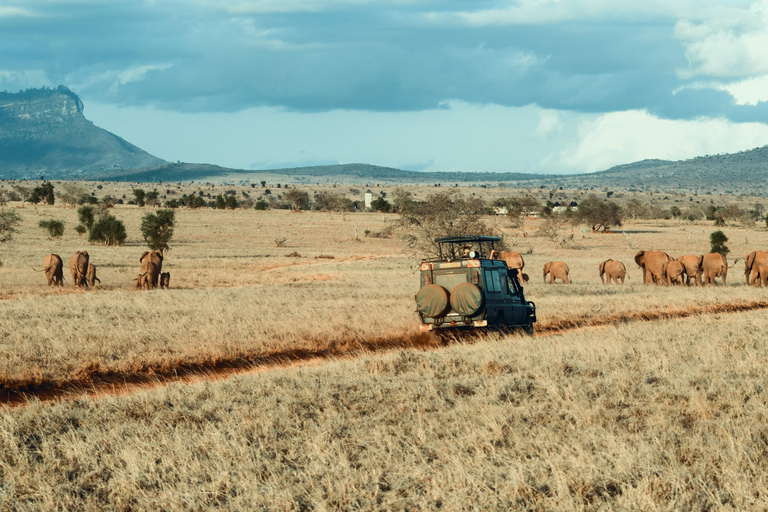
(54, 227)
(717, 241)
(108, 230)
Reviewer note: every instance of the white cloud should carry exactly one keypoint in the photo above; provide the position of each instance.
(7, 11)
(112, 79)
(624, 137)
(556, 11)
(748, 92)
(137, 74)
(730, 44)
(13, 80)
(285, 6)
(549, 122)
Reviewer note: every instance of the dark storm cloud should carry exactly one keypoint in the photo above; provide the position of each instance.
(194, 56)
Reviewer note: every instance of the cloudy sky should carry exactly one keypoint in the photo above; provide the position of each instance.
(484, 85)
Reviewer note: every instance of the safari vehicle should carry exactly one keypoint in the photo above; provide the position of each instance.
(462, 288)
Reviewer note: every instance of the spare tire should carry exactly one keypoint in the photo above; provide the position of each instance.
(432, 300)
(466, 299)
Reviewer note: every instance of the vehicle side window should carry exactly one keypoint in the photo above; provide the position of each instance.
(504, 280)
(492, 283)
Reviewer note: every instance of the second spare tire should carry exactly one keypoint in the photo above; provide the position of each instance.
(466, 299)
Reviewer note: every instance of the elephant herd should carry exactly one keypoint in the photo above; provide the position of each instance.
(84, 272)
(661, 268)
(658, 268)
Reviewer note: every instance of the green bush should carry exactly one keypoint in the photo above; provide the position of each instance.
(157, 229)
(717, 241)
(54, 227)
(86, 216)
(261, 205)
(80, 229)
(381, 205)
(109, 231)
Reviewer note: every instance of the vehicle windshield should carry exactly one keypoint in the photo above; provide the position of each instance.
(449, 281)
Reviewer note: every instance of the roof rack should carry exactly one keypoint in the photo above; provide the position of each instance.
(453, 241)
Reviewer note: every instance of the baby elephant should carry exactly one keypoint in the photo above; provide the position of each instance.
(90, 276)
(165, 280)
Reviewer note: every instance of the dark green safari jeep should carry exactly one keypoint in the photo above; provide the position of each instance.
(462, 288)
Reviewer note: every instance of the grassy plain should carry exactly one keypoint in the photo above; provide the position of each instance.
(654, 415)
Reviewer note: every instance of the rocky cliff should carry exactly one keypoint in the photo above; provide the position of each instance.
(44, 132)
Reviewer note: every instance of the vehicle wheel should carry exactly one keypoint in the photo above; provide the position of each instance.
(529, 329)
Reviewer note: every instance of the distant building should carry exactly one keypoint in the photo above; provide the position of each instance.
(368, 199)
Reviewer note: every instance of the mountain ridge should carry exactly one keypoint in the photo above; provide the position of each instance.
(44, 132)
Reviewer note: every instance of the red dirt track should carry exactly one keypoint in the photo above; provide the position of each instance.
(93, 381)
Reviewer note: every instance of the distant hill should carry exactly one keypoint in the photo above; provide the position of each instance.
(342, 172)
(44, 132)
(731, 173)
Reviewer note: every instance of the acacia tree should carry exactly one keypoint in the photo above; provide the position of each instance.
(73, 193)
(8, 223)
(139, 194)
(299, 199)
(24, 193)
(717, 241)
(43, 193)
(443, 214)
(109, 230)
(599, 214)
(86, 216)
(157, 229)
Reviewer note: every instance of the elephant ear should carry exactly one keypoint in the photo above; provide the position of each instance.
(602, 266)
(142, 256)
(701, 260)
(640, 258)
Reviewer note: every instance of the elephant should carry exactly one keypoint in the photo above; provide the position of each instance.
(512, 259)
(614, 270)
(54, 270)
(675, 272)
(654, 265)
(557, 270)
(691, 265)
(761, 274)
(754, 260)
(137, 282)
(78, 265)
(165, 280)
(144, 280)
(90, 276)
(712, 265)
(152, 264)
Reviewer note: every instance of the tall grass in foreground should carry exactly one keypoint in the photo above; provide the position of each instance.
(657, 416)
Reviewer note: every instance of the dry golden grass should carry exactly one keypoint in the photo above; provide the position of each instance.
(660, 416)
(666, 414)
(236, 294)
